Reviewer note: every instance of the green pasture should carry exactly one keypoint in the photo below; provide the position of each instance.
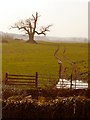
(19, 57)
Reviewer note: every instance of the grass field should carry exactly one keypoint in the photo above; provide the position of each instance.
(19, 57)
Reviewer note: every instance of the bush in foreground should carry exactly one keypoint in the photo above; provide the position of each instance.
(45, 104)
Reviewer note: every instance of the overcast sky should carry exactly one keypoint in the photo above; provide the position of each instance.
(69, 17)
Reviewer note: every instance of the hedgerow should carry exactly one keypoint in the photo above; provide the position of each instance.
(45, 105)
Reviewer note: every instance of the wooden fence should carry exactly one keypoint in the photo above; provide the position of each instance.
(72, 84)
(47, 80)
(32, 80)
(43, 81)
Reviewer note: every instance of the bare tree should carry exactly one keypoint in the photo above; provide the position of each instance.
(30, 26)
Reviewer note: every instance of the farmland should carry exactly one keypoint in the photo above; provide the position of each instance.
(19, 57)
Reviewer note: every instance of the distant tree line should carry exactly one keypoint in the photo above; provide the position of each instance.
(5, 37)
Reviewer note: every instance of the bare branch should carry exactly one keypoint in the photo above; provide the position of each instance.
(35, 22)
(21, 25)
(43, 30)
(35, 17)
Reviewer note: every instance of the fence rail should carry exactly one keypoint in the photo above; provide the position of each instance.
(47, 80)
(11, 79)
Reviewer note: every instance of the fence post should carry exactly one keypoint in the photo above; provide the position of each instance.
(71, 82)
(36, 79)
(6, 78)
(89, 81)
(60, 70)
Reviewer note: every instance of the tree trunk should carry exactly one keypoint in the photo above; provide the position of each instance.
(31, 38)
